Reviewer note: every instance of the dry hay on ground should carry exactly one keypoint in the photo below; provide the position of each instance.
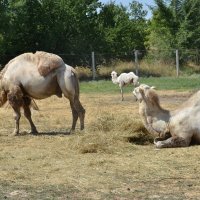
(102, 162)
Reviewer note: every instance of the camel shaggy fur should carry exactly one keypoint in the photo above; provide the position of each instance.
(175, 128)
(37, 76)
(124, 79)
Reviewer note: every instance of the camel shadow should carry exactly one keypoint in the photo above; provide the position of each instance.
(139, 140)
(53, 133)
(48, 133)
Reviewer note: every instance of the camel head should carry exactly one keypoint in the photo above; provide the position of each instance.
(136, 82)
(145, 93)
(113, 74)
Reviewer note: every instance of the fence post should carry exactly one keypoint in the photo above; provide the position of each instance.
(136, 62)
(93, 66)
(177, 63)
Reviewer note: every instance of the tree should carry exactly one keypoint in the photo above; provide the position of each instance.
(124, 29)
(175, 24)
(70, 27)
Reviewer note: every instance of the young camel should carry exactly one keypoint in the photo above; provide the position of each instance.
(124, 79)
(176, 128)
(38, 76)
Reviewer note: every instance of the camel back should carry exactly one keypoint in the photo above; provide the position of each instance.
(47, 62)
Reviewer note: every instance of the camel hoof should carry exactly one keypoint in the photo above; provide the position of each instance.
(72, 131)
(33, 132)
(15, 133)
(159, 144)
(157, 139)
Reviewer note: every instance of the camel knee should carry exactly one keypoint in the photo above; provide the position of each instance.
(165, 135)
(78, 106)
(81, 112)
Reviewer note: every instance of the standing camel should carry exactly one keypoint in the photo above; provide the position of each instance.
(175, 128)
(38, 76)
(124, 79)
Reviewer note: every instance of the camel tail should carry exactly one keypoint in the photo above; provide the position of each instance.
(34, 105)
(3, 98)
(3, 94)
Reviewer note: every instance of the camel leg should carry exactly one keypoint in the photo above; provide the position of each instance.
(15, 100)
(27, 114)
(121, 89)
(162, 137)
(81, 112)
(17, 116)
(77, 111)
(70, 88)
(74, 115)
(173, 142)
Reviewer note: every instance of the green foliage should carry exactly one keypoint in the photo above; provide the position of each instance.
(172, 83)
(175, 24)
(69, 27)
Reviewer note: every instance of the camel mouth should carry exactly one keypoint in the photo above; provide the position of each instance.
(135, 95)
(135, 98)
(137, 84)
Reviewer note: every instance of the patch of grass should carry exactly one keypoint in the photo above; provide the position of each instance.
(161, 83)
(98, 86)
(172, 83)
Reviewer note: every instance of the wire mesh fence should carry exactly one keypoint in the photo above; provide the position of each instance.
(154, 62)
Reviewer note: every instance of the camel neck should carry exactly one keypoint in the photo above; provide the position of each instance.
(114, 80)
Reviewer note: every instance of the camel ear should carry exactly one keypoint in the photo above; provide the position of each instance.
(142, 92)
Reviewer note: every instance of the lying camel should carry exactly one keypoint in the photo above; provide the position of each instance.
(37, 76)
(175, 128)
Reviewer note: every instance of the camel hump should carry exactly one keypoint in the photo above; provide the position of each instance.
(47, 62)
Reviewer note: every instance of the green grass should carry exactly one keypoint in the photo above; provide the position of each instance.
(161, 83)
(171, 83)
(98, 86)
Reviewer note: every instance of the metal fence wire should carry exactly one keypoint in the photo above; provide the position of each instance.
(176, 58)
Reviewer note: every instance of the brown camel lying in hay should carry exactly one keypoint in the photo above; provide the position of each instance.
(37, 76)
(176, 128)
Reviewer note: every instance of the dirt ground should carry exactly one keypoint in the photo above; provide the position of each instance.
(97, 163)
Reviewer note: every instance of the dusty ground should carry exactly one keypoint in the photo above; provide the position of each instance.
(101, 162)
